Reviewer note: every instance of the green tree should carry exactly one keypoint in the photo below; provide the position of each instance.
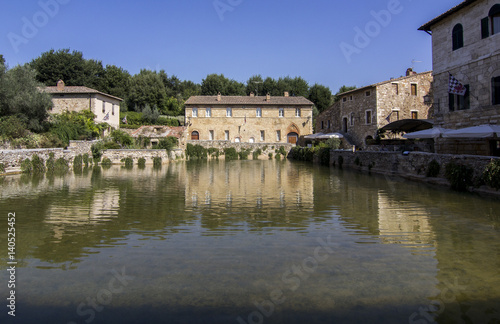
(213, 84)
(149, 115)
(21, 97)
(256, 85)
(116, 81)
(321, 96)
(269, 86)
(146, 88)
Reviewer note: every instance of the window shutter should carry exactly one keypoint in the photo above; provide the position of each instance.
(451, 101)
(495, 90)
(485, 27)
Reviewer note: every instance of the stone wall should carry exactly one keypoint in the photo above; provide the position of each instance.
(413, 164)
(266, 148)
(117, 155)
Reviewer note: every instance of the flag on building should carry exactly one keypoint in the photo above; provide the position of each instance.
(455, 87)
(388, 118)
(106, 117)
(124, 120)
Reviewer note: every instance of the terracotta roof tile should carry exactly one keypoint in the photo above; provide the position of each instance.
(247, 100)
(77, 90)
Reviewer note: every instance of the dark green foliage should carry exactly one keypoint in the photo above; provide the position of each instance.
(128, 161)
(270, 155)
(150, 116)
(278, 156)
(77, 162)
(111, 146)
(106, 162)
(491, 174)
(12, 127)
(38, 164)
(195, 152)
(61, 166)
(321, 96)
(86, 160)
(230, 154)
(324, 156)
(2, 168)
(214, 152)
(244, 153)
(168, 143)
(121, 138)
(214, 83)
(75, 126)
(459, 176)
(256, 154)
(433, 169)
(26, 166)
(141, 162)
(157, 161)
(97, 151)
(282, 151)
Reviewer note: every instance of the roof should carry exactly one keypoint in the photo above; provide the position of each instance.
(381, 83)
(247, 100)
(159, 131)
(428, 26)
(408, 125)
(78, 90)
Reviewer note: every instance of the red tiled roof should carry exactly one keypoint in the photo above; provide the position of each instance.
(247, 100)
(77, 90)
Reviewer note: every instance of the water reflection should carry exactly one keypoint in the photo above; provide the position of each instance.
(210, 240)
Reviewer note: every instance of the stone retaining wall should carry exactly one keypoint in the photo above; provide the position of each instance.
(265, 147)
(117, 155)
(413, 164)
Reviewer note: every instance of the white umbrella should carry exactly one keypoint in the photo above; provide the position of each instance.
(428, 133)
(483, 131)
(313, 136)
(330, 135)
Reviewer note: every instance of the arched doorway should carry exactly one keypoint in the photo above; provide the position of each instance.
(251, 140)
(195, 136)
(292, 138)
(237, 140)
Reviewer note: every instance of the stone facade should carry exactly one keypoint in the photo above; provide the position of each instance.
(475, 62)
(361, 112)
(104, 106)
(248, 119)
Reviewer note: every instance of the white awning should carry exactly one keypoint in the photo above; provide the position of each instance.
(483, 131)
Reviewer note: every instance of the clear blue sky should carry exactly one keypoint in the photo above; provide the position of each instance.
(191, 38)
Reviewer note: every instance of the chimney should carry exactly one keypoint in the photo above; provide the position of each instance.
(268, 97)
(60, 85)
(410, 71)
(252, 94)
(219, 97)
(287, 94)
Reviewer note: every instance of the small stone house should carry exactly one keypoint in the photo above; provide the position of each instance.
(104, 106)
(155, 133)
(248, 119)
(360, 113)
(466, 44)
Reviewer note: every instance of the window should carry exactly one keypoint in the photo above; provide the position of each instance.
(237, 140)
(413, 89)
(229, 112)
(352, 119)
(251, 140)
(195, 136)
(226, 135)
(458, 36)
(394, 115)
(414, 115)
(485, 27)
(211, 135)
(282, 112)
(495, 19)
(103, 107)
(262, 136)
(208, 112)
(495, 90)
(350, 98)
(322, 124)
(368, 117)
(329, 124)
(395, 86)
(195, 112)
(457, 102)
(344, 99)
(113, 109)
(368, 93)
(297, 112)
(278, 135)
(259, 112)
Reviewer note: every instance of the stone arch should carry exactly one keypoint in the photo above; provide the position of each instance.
(195, 135)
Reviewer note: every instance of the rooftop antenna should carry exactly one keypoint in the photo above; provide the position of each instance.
(413, 63)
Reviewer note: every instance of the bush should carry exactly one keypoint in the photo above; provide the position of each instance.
(12, 127)
(86, 160)
(433, 169)
(230, 154)
(243, 154)
(106, 162)
(270, 155)
(129, 162)
(214, 152)
(278, 156)
(2, 168)
(459, 176)
(195, 152)
(77, 162)
(157, 161)
(282, 151)
(111, 146)
(96, 150)
(26, 166)
(38, 165)
(122, 138)
(164, 121)
(491, 174)
(141, 163)
(61, 165)
(168, 143)
(49, 140)
(324, 156)
(256, 154)
(333, 143)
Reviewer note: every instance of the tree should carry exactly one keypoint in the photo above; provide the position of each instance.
(256, 85)
(213, 84)
(116, 81)
(269, 86)
(149, 115)
(147, 88)
(342, 89)
(321, 96)
(22, 97)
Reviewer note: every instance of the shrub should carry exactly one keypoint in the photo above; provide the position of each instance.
(256, 154)
(195, 152)
(277, 156)
(129, 162)
(50, 163)
(77, 162)
(459, 176)
(282, 151)
(26, 166)
(243, 154)
(324, 156)
(214, 152)
(2, 168)
(157, 161)
(96, 150)
(61, 165)
(230, 154)
(12, 127)
(491, 174)
(111, 146)
(38, 165)
(122, 138)
(49, 140)
(433, 169)
(333, 143)
(106, 162)
(270, 155)
(168, 143)
(141, 163)
(86, 160)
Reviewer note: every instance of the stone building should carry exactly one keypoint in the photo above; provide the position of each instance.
(248, 119)
(466, 44)
(104, 106)
(361, 112)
